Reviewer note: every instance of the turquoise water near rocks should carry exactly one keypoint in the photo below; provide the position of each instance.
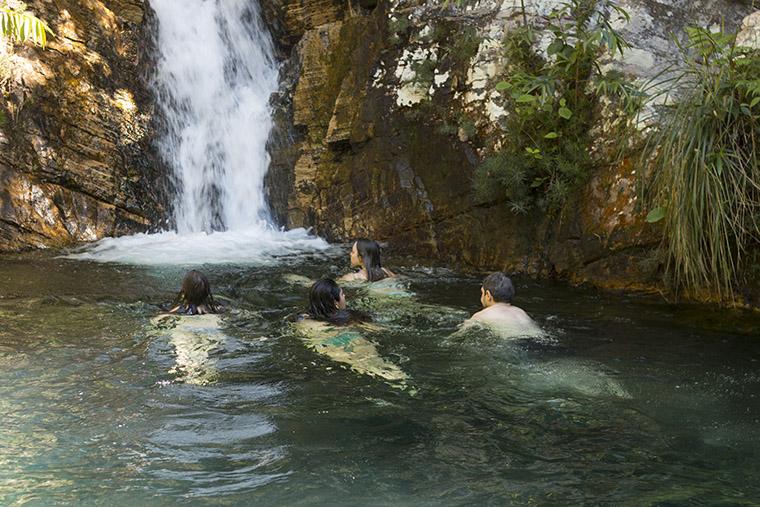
(630, 401)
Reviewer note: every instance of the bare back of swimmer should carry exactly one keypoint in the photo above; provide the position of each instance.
(496, 295)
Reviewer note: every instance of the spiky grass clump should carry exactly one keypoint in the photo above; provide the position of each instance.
(705, 180)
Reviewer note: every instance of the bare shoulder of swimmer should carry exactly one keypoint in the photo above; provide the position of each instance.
(516, 313)
(503, 313)
(390, 273)
(520, 315)
(481, 316)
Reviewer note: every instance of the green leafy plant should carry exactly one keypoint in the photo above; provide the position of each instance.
(704, 186)
(17, 23)
(424, 70)
(397, 27)
(461, 43)
(552, 101)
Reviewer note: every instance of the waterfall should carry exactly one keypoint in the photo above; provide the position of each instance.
(214, 77)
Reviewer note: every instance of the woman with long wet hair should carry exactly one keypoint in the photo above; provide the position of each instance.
(195, 339)
(327, 303)
(365, 254)
(195, 296)
(336, 332)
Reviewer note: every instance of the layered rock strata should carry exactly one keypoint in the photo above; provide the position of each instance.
(77, 161)
(387, 112)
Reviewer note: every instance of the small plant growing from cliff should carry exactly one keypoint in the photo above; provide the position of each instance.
(704, 186)
(397, 27)
(552, 100)
(19, 24)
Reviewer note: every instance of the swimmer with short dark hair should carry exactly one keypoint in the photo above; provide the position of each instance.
(365, 254)
(195, 296)
(496, 294)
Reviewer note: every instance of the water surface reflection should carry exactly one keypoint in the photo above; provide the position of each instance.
(632, 401)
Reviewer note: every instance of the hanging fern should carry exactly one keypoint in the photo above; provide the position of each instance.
(17, 23)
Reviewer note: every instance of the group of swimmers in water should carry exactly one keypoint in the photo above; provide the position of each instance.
(327, 300)
(328, 326)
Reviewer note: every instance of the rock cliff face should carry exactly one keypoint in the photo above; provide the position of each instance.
(387, 109)
(76, 158)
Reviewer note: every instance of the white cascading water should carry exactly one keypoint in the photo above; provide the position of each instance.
(215, 75)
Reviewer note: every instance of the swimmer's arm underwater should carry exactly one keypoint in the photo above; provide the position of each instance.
(295, 279)
(352, 277)
(371, 326)
(467, 325)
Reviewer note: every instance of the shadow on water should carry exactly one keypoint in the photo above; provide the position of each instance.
(630, 401)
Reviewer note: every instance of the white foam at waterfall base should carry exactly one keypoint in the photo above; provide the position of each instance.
(256, 246)
(214, 77)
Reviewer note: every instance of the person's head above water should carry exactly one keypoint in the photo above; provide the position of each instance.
(326, 300)
(366, 253)
(496, 288)
(196, 293)
(327, 303)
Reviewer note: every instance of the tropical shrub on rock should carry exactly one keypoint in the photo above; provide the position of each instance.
(552, 98)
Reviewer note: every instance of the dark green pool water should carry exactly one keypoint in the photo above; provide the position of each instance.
(632, 401)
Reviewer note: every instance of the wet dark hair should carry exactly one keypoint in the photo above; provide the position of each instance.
(324, 296)
(195, 292)
(369, 251)
(500, 287)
